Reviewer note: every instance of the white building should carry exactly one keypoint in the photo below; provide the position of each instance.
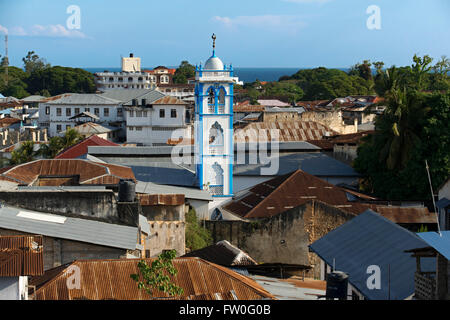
(152, 119)
(57, 114)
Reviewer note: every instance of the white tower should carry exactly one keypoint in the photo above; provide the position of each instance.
(214, 126)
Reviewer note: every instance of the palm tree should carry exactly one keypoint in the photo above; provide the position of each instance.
(25, 153)
(58, 144)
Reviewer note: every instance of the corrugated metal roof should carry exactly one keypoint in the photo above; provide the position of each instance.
(90, 172)
(282, 193)
(440, 242)
(189, 193)
(81, 148)
(293, 130)
(169, 100)
(21, 256)
(223, 253)
(161, 199)
(110, 280)
(83, 99)
(77, 229)
(370, 239)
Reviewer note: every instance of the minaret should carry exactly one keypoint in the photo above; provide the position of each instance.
(214, 126)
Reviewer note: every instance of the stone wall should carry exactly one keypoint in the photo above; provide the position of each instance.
(283, 238)
(100, 205)
(165, 235)
(330, 119)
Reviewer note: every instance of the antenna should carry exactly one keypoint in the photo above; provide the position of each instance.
(432, 197)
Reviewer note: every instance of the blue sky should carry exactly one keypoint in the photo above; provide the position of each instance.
(250, 33)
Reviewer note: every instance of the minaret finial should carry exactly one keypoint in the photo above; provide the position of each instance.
(214, 44)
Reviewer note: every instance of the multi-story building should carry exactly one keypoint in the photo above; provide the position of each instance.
(152, 119)
(132, 77)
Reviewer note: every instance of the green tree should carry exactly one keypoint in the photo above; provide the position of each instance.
(158, 276)
(57, 144)
(184, 72)
(196, 236)
(25, 153)
(32, 62)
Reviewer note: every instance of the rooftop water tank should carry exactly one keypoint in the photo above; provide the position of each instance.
(127, 190)
(337, 285)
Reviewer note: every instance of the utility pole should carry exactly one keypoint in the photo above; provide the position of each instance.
(6, 60)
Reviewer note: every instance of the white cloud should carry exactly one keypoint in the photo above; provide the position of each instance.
(3, 29)
(284, 22)
(54, 31)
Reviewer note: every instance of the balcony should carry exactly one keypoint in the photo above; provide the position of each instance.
(425, 285)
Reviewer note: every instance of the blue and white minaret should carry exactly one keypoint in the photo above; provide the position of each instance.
(214, 126)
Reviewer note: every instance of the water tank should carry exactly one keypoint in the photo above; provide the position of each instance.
(127, 190)
(337, 285)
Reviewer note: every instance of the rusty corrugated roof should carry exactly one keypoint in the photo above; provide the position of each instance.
(90, 172)
(293, 130)
(169, 100)
(21, 256)
(110, 280)
(161, 199)
(285, 192)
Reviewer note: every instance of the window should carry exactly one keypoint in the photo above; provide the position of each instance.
(97, 111)
(138, 128)
(58, 128)
(162, 113)
(58, 112)
(119, 112)
(173, 113)
(139, 114)
(87, 109)
(68, 112)
(77, 111)
(106, 112)
(68, 126)
(144, 114)
(130, 79)
(131, 112)
(47, 110)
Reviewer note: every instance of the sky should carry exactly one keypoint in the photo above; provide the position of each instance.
(250, 33)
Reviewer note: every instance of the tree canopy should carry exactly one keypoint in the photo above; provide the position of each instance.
(184, 72)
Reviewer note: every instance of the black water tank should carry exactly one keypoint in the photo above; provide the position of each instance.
(337, 285)
(127, 190)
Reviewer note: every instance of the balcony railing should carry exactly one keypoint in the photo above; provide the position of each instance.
(425, 285)
(216, 190)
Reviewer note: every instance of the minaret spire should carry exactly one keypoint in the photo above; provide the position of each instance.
(214, 44)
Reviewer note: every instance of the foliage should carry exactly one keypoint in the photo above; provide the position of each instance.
(158, 275)
(42, 79)
(25, 153)
(57, 144)
(184, 72)
(196, 236)
(414, 128)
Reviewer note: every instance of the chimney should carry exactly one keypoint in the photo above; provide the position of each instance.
(131, 55)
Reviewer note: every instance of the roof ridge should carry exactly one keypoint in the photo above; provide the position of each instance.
(293, 173)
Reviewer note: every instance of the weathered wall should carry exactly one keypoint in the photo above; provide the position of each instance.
(60, 251)
(164, 212)
(283, 238)
(280, 116)
(95, 204)
(330, 119)
(166, 235)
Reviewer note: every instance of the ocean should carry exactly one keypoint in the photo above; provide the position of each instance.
(244, 74)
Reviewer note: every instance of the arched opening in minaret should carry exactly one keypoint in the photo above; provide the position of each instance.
(216, 182)
(216, 139)
(222, 100)
(211, 100)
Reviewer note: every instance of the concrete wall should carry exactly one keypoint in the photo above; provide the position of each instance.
(101, 205)
(60, 251)
(164, 212)
(283, 238)
(13, 288)
(280, 116)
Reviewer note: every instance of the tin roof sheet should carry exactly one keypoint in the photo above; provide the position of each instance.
(21, 256)
(110, 280)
